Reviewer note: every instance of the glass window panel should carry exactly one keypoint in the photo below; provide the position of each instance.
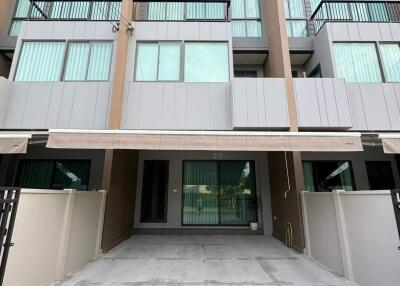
(296, 28)
(99, 62)
(22, 8)
(157, 11)
(200, 193)
(325, 176)
(359, 12)
(15, 27)
(175, 11)
(237, 193)
(378, 12)
(238, 28)
(100, 11)
(391, 61)
(254, 28)
(252, 8)
(79, 10)
(357, 62)
(71, 174)
(238, 11)
(77, 61)
(294, 9)
(215, 11)
(115, 10)
(40, 61)
(195, 10)
(146, 62)
(206, 62)
(169, 62)
(35, 174)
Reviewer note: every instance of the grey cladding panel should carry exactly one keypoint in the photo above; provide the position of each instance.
(43, 105)
(191, 106)
(322, 103)
(259, 103)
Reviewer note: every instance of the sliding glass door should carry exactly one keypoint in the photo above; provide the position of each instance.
(219, 193)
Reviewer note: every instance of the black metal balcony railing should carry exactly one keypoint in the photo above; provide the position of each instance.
(355, 11)
(63, 10)
(145, 10)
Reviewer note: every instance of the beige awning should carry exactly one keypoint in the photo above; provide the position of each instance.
(205, 140)
(13, 143)
(390, 143)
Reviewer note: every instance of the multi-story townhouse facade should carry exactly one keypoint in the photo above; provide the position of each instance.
(201, 115)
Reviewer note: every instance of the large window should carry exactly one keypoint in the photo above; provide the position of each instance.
(219, 193)
(206, 62)
(380, 175)
(40, 61)
(203, 62)
(390, 54)
(246, 19)
(88, 61)
(158, 61)
(357, 62)
(53, 174)
(325, 176)
(296, 23)
(43, 61)
(175, 11)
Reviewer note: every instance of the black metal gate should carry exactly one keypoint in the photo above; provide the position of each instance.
(396, 207)
(9, 198)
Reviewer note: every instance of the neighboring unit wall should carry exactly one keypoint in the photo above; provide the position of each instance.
(259, 103)
(322, 103)
(55, 233)
(375, 106)
(347, 32)
(60, 104)
(358, 164)
(5, 85)
(175, 183)
(355, 234)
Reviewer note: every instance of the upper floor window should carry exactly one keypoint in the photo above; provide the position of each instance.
(40, 61)
(176, 11)
(357, 62)
(390, 54)
(296, 23)
(246, 18)
(44, 61)
(88, 61)
(202, 62)
(360, 62)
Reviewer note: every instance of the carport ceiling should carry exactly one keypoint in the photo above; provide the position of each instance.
(249, 57)
(299, 58)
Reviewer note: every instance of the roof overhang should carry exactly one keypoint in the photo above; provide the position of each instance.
(205, 140)
(11, 143)
(390, 142)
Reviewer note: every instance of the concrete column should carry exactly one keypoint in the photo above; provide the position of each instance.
(123, 37)
(6, 12)
(120, 166)
(285, 169)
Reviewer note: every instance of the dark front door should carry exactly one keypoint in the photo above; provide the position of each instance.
(154, 191)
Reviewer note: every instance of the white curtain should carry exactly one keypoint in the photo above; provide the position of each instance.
(146, 62)
(169, 62)
(357, 62)
(40, 61)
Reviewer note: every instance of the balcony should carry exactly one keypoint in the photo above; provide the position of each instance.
(356, 11)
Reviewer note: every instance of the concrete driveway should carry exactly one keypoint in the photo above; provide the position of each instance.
(203, 260)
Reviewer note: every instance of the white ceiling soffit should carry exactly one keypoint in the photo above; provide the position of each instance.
(390, 142)
(205, 140)
(13, 143)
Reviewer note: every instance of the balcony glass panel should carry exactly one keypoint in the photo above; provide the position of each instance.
(246, 21)
(357, 62)
(169, 62)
